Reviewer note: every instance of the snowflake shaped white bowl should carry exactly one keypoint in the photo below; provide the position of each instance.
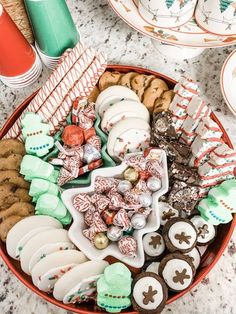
(78, 225)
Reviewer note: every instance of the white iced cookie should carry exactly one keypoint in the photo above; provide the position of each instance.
(153, 244)
(41, 245)
(177, 270)
(195, 256)
(153, 268)
(69, 287)
(122, 110)
(129, 135)
(48, 270)
(206, 231)
(180, 235)
(112, 95)
(166, 212)
(25, 229)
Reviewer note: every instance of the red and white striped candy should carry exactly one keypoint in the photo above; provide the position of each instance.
(121, 219)
(128, 246)
(82, 202)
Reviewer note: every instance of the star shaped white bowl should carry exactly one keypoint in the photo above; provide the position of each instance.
(78, 225)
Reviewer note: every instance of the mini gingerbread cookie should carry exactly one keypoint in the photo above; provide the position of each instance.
(11, 146)
(108, 79)
(13, 177)
(127, 78)
(195, 256)
(149, 293)
(153, 244)
(163, 103)
(167, 212)
(206, 232)
(140, 82)
(177, 270)
(11, 162)
(153, 92)
(180, 235)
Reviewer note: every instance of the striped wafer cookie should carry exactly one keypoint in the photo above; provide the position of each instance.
(63, 88)
(64, 66)
(82, 88)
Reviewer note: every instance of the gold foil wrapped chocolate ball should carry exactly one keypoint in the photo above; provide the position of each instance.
(131, 175)
(101, 241)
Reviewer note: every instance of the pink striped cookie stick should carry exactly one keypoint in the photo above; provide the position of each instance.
(48, 87)
(63, 88)
(82, 88)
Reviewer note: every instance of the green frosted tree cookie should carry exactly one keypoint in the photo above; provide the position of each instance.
(37, 142)
(220, 203)
(114, 288)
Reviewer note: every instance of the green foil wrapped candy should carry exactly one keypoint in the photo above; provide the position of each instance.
(114, 288)
(41, 186)
(51, 205)
(34, 167)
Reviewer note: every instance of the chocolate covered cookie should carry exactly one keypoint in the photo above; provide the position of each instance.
(195, 256)
(153, 244)
(153, 268)
(149, 293)
(177, 270)
(167, 212)
(206, 232)
(180, 235)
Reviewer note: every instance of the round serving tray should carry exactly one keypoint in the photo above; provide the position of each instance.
(209, 259)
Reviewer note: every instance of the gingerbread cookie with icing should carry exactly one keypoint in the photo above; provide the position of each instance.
(206, 232)
(149, 293)
(177, 270)
(180, 235)
(153, 244)
(167, 212)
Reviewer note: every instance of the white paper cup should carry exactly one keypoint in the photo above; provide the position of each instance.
(166, 13)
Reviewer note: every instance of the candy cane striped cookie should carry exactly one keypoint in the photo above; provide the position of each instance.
(82, 88)
(208, 129)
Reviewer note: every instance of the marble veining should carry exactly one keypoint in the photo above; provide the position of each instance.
(102, 29)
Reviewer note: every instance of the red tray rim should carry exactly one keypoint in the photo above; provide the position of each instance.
(71, 308)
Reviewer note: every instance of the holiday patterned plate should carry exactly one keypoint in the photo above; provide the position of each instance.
(188, 35)
(228, 81)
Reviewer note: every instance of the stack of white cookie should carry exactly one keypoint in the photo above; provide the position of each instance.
(125, 119)
(47, 254)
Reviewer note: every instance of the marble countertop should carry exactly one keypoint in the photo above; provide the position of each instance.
(102, 29)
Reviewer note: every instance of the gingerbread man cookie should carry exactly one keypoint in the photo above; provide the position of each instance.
(167, 212)
(153, 244)
(149, 293)
(180, 235)
(206, 232)
(177, 270)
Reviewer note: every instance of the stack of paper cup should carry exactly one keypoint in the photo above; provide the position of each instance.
(20, 65)
(53, 27)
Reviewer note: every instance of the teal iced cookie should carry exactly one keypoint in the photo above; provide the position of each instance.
(114, 288)
(35, 133)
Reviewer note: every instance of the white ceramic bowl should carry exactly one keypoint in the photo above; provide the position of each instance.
(75, 231)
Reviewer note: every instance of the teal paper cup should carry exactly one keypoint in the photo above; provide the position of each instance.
(53, 26)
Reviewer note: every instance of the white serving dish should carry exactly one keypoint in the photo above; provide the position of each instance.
(228, 81)
(75, 231)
